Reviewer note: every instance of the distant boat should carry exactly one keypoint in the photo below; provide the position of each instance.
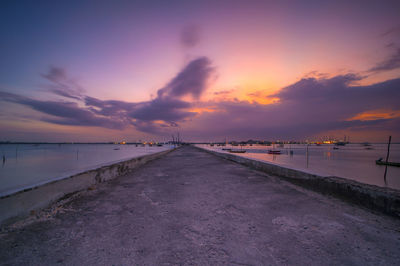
(335, 148)
(159, 145)
(369, 148)
(274, 152)
(381, 162)
(116, 149)
(226, 149)
(340, 143)
(366, 144)
(237, 151)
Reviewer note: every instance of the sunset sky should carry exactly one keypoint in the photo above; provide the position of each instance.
(143, 70)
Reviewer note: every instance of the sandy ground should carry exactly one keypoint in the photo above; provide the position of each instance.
(190, 207)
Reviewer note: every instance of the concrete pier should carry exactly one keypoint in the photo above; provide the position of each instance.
(191, 207)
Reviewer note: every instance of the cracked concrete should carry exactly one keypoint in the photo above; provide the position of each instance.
(190, 207)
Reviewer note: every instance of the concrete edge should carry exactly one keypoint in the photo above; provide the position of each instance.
(21, 203)
(380, 199)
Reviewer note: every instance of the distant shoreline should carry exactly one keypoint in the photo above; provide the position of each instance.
(134, 143)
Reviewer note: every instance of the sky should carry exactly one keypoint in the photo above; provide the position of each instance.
(95, 71)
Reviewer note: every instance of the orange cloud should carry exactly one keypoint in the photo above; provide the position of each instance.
(376, 115)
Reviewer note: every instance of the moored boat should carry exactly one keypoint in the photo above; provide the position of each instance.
(381, 162)
(237, 151)
(274, 152)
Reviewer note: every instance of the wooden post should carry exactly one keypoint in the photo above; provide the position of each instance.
(387, 157)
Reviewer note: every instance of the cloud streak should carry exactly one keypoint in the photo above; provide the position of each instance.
(65, 113)
(391, 63)
(62, 85)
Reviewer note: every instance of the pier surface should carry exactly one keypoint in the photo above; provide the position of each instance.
(190, 207)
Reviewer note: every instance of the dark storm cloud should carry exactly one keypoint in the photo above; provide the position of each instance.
(165, 111)
(190, 36)
(61, 84)
(391, 63)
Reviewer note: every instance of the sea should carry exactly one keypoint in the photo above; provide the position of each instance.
(29, 165)
(352, 161)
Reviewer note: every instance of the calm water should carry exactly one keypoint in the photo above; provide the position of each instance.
(27, 165)
(352, 161)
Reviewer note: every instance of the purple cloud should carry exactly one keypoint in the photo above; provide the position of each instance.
(307, 107)
(192, 80)
(190, 36)
(62, 85)
(224, 92)
(65, 113)
(157, 115)
(165, 109)
(392, 62)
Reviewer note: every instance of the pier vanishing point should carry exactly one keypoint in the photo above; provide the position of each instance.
(190, 207)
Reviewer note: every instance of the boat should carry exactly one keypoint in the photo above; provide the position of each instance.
(226, 149)
(340, 143)
(335, 148)
(381, 162)
(274, 152)
(116, 149)
(237, 151)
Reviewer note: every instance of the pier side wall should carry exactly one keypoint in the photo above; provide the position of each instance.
(381, 199)
(21, 203)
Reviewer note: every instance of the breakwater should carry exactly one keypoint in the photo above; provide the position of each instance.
(21, 203)
(381, 199)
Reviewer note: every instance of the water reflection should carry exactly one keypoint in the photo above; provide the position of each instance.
(327, 155)
(352, 161)
(26, 165)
